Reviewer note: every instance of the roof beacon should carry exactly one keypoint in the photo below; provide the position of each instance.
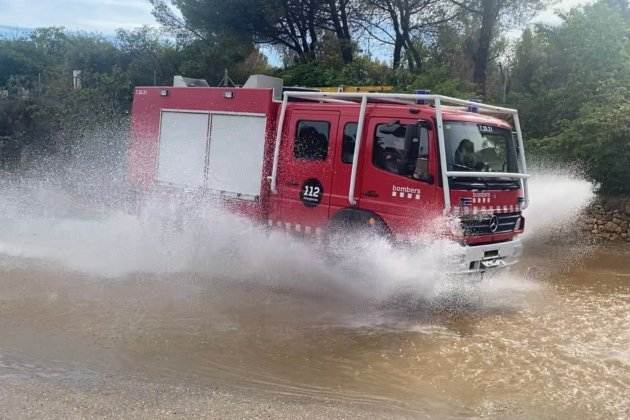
(473, 106)
(422, 92)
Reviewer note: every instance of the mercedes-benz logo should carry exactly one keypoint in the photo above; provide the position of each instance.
(494, 224)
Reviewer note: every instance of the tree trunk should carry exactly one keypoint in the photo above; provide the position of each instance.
(413, 56)
(398, 46)
(339, 19)
(312, 29)
(481, 57)
(347, 50)
(399, 40)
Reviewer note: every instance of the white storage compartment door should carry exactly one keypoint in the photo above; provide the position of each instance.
(236, 153)
(183, 144)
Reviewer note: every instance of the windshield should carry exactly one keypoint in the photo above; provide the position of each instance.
(474, 147)
(479, 148)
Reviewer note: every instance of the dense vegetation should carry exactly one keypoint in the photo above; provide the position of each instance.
(570, 81)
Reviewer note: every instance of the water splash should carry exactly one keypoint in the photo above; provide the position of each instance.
(556, 199)
(49, 224)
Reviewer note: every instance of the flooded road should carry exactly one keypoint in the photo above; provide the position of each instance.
(99, 318)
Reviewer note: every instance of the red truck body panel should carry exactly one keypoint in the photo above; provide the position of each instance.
(407, 206)
(145, 131)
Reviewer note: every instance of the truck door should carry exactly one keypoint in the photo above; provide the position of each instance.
(344, 154)
(306, 170)
(399, 180)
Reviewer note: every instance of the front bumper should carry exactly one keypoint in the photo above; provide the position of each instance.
(480, 258)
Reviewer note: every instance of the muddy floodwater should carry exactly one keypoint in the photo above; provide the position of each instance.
(97, 319)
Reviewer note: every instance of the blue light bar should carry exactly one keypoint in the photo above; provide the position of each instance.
(422, 92)
(473, 107)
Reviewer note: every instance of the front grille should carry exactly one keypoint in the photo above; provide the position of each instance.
(483, 224)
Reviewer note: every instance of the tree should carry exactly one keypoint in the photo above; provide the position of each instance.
(622, 6)
(598, 140)
(337, 20)
(238, 24)
(147, 58)
(19, 57)
(559, 69)
(572, 83)
(293, 24)
(210, 35)
(39, 109)
(491, 16)
(404, 24)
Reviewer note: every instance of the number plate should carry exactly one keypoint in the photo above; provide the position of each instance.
(492, 263)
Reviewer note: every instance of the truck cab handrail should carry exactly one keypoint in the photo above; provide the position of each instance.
(438, 101)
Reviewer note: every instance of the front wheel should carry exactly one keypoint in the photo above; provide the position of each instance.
(354, 231)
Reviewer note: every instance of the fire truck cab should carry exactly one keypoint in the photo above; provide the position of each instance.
(313, 162)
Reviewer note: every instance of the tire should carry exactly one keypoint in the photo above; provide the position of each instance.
(352, 229)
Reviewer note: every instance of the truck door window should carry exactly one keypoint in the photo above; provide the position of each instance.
(311, 140)
(402, 149)
(349, 138)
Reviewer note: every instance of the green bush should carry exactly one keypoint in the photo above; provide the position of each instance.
(599, 140)
(439, 80)
(363, 71)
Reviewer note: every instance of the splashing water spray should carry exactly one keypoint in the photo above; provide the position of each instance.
(49, 223)
(78, 218)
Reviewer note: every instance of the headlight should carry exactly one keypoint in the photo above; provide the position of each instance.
(455, 227)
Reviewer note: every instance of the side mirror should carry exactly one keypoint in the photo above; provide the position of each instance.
(422, 171)
(422, 161)
(516, 145)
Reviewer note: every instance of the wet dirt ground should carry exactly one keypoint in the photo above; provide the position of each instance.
(549, 340)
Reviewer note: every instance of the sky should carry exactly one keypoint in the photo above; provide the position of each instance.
(106, 16)
(549, 16)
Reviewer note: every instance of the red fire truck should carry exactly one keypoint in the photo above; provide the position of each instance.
(314, 162)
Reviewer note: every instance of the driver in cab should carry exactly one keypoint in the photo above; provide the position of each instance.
(465, 156)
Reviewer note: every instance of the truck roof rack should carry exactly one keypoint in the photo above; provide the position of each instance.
(398, 98)
(438, 102)
(299, 89)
